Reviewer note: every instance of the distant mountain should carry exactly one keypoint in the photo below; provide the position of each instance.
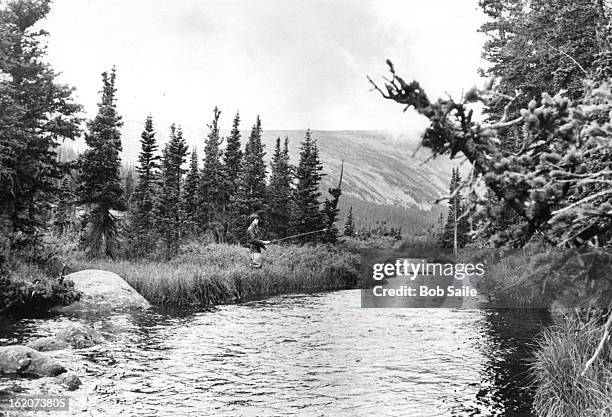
(382, 178)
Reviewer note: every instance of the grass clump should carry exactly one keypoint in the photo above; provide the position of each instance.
(206, 275)
(560, 357)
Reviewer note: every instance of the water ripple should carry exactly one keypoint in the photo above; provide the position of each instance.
(295, 355)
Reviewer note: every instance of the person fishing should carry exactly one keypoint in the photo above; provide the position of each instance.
(254, 241)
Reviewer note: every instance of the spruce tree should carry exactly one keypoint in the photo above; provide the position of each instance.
(100, 187)
(169, 216)
(330, 211)
(36, 115)
(349, 225)
(64, 210)
(129, 185)
(440, 227)
(251, 194)
(142, 217)
(212, 192)
(232, 160)
(306, 214)
(191, 196)
(232, 156)
(454, 220)
(279, 191)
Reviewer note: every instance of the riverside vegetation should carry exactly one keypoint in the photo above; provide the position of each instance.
(207, 275)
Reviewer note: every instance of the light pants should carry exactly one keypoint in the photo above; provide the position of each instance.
(256, 259)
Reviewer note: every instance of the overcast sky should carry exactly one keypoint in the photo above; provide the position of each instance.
(297, 63)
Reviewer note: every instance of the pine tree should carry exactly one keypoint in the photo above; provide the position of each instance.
(100, 187)
(64, 210)
(454, 220)
(36, 115)
(232, 160)
(330, 211)
(232, 157)
(168, 211)
(349, 225)
(212, 193)
(251, 194)
(191, 196)
(129, 185)
(142, 217)
(148, 169)
(279, 191)
(306, 215)
(440, 227)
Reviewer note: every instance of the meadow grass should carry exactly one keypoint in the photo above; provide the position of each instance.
(560, 357)
(206, 275)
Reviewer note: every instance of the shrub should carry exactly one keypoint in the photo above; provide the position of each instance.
(29, 288)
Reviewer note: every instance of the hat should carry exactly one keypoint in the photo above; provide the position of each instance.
(253, 217)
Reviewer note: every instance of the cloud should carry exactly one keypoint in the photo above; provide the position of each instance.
(298, 63)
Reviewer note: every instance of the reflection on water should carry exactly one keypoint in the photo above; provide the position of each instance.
(297, 355)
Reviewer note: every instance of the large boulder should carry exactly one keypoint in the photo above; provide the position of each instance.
(24, 360)
(46, 344)
(103, 291)
(79, 335)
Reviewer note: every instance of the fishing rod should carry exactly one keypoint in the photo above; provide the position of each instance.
(299, 235)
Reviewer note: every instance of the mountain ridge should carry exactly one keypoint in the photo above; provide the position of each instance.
(379, 166)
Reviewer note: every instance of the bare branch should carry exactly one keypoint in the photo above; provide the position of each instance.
(601, 345)
(570, 57)
(376, 87)
(501, 125)
(580, 202)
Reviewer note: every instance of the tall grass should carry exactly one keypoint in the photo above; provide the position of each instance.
(560, 358)
(206, 275)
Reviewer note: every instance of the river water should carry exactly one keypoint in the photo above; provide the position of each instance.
(314, 354)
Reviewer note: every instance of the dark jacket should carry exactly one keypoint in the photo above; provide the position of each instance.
(254, 239)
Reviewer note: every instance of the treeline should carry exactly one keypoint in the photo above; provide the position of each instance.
(179, 196)
(380, 229)
(213, 195)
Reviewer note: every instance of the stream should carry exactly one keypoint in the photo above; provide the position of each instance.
(305, 354)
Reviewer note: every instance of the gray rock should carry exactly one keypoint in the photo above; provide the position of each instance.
(7, 392)
(46, 344)
(24, 360)
(102, 292)
(70, 380)
(79, 335)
